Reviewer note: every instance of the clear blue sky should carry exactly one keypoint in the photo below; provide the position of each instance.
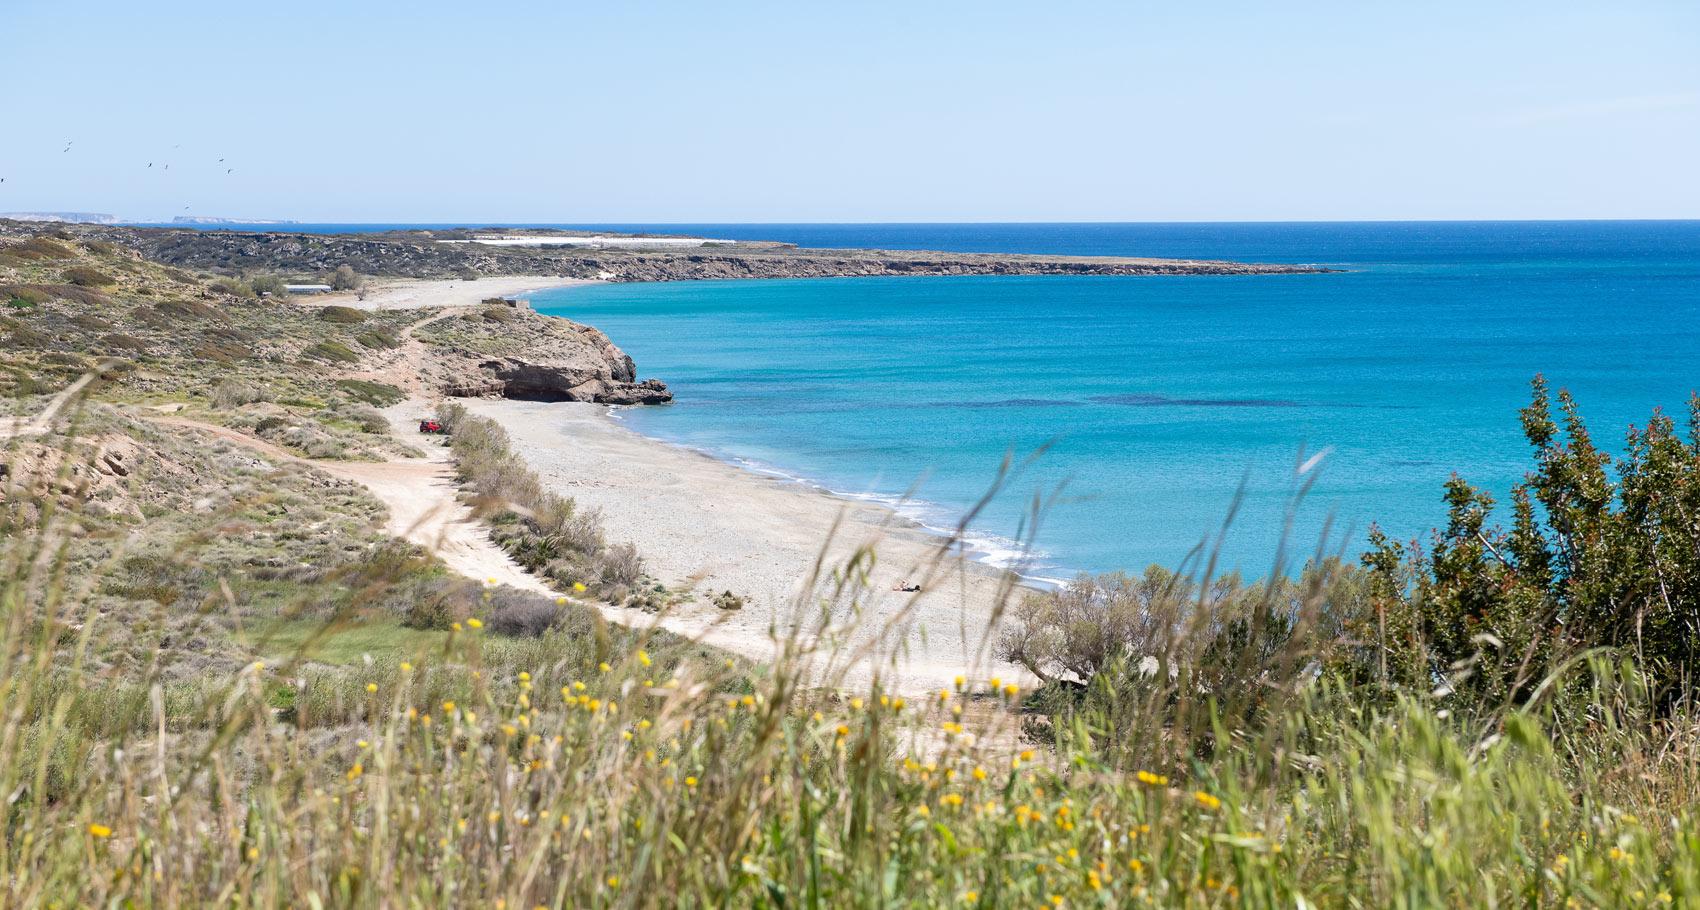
(624, 110)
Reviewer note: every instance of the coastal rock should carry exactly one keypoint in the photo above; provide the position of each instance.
(451, 253)
(519, 354)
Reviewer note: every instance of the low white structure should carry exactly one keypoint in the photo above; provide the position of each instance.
(638, 243)
(307, 288)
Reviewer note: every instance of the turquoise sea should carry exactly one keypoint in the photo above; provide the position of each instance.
(1157, 399)
(1160, 397)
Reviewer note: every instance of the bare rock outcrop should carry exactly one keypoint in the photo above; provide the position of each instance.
(505, 353)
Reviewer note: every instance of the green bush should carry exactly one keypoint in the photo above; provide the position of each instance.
(124, 342)
(232, 287)
(378, 340)
(341, 315)
(1588, 562)
(83, 276)
(270, 285)
(377, 394)
(331, 351)
(172, 312)
(91, 323)
(344, 279)
(41, 293)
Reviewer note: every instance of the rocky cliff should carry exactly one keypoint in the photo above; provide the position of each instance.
(497, 352)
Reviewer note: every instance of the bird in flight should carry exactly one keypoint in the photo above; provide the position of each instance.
(230, 170)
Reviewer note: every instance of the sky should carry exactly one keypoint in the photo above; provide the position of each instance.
(558, 111)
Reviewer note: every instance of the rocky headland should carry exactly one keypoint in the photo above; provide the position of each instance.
(495, 352)
(458, 253)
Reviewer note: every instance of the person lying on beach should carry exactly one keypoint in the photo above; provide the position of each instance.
(906, 587)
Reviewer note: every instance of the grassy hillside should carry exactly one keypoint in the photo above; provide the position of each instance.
(225, 685)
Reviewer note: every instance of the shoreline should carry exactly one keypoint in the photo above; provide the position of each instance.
(428, 293)
(704, 526)
(982, 548)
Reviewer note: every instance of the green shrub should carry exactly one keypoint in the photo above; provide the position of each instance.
(41, 293)
(269, 285)
(377, 394)
(234, 393)
(378, 340)
(19, 335)
(83, 276)
(174, 311)
(344, 279)
(42, 248)
(91, 323)
(227, 334)
(331, 351)
(220, 351)
(341, 315)
(232, 287)
(124, 342)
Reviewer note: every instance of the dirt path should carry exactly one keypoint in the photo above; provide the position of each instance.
(400, 366)
(425, 509)
(421, 496)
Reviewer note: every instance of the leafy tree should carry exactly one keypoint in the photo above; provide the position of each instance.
(344, 279)
(269, 284)
(1589, 561)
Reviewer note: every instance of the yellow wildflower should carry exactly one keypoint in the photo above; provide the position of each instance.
(100, 831)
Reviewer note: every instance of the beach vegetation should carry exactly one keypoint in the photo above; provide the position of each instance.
(232, 287)
(344, 278)
(268, 285)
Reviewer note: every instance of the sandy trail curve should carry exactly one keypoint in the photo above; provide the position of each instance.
(424, 509)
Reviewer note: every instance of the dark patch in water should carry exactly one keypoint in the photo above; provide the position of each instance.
(1160, 401)
(1010, 403)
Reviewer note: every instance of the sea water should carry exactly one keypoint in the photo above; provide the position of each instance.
(1138, 413)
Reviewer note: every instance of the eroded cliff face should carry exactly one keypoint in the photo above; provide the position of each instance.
(502, 353)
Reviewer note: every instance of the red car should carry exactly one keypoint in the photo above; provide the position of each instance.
(431, 426)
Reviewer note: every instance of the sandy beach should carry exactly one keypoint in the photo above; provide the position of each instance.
(413, 294)
(704, 527)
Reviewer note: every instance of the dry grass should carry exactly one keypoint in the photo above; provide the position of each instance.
(604, 767)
